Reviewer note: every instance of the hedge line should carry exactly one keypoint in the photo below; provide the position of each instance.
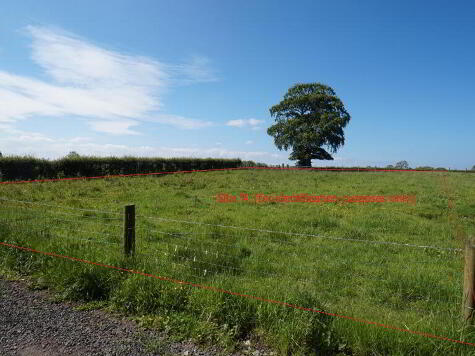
(27, 168)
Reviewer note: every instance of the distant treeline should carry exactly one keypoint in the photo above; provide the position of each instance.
(369, 168)
(28, 168)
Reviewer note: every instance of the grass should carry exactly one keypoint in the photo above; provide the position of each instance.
(406, 287)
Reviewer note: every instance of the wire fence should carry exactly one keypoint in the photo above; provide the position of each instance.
(187, 249)
(241, 228)
(203, 237)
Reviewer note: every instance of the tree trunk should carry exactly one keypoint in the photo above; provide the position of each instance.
(304, 162)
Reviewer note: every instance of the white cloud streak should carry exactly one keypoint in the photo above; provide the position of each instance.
(71, 60)
(114, 128)
(196, 69)
(180, 121)
(39, 145)
(112, 90)
(253, 123)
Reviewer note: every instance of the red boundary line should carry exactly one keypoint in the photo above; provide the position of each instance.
(219, 169)
(118, 175)
(214, 289)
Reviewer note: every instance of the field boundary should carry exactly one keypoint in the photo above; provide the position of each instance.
(230, 169)
(216, 289)
(219, 290)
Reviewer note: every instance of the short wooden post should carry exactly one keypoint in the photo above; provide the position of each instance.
(469, 281)
(129, 230)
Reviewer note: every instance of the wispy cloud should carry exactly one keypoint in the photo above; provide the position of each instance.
(253, 123)
(115, 127)
(111, 90)
(72, 60)
(21, 142)
(195, 69)
(180, 121)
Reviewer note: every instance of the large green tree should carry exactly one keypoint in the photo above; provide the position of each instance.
(309, 120)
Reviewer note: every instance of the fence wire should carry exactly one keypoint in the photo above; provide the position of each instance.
(211, 268)
(243, 228)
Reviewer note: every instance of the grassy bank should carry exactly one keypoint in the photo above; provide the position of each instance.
(408, 287)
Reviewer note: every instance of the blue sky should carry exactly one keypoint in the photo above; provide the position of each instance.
(197, 78)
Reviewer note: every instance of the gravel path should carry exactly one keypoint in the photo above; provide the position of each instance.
(32, 324)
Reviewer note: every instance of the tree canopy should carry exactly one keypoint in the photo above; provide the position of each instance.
(309, 118)
(402, 165)
(73, 154)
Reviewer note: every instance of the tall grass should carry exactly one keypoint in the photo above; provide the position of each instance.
(406, 287)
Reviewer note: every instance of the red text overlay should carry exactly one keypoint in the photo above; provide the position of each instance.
(307, 198)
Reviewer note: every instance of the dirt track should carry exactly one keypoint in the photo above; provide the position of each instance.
(32, 324)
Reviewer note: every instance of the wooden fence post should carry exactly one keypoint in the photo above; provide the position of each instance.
(129, 230)
(468, 303)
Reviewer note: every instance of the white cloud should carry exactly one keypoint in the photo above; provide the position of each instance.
(180, 121)
(5, 127)
(39, 145)
(113, 90)
(80, 139)
(253, 123)
(217, 152)
(249, 142)
(22, 137)
(196, 69)
(23, 98)
(114, 127)
(72, 60)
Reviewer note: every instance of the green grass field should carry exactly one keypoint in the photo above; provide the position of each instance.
(324, 268)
